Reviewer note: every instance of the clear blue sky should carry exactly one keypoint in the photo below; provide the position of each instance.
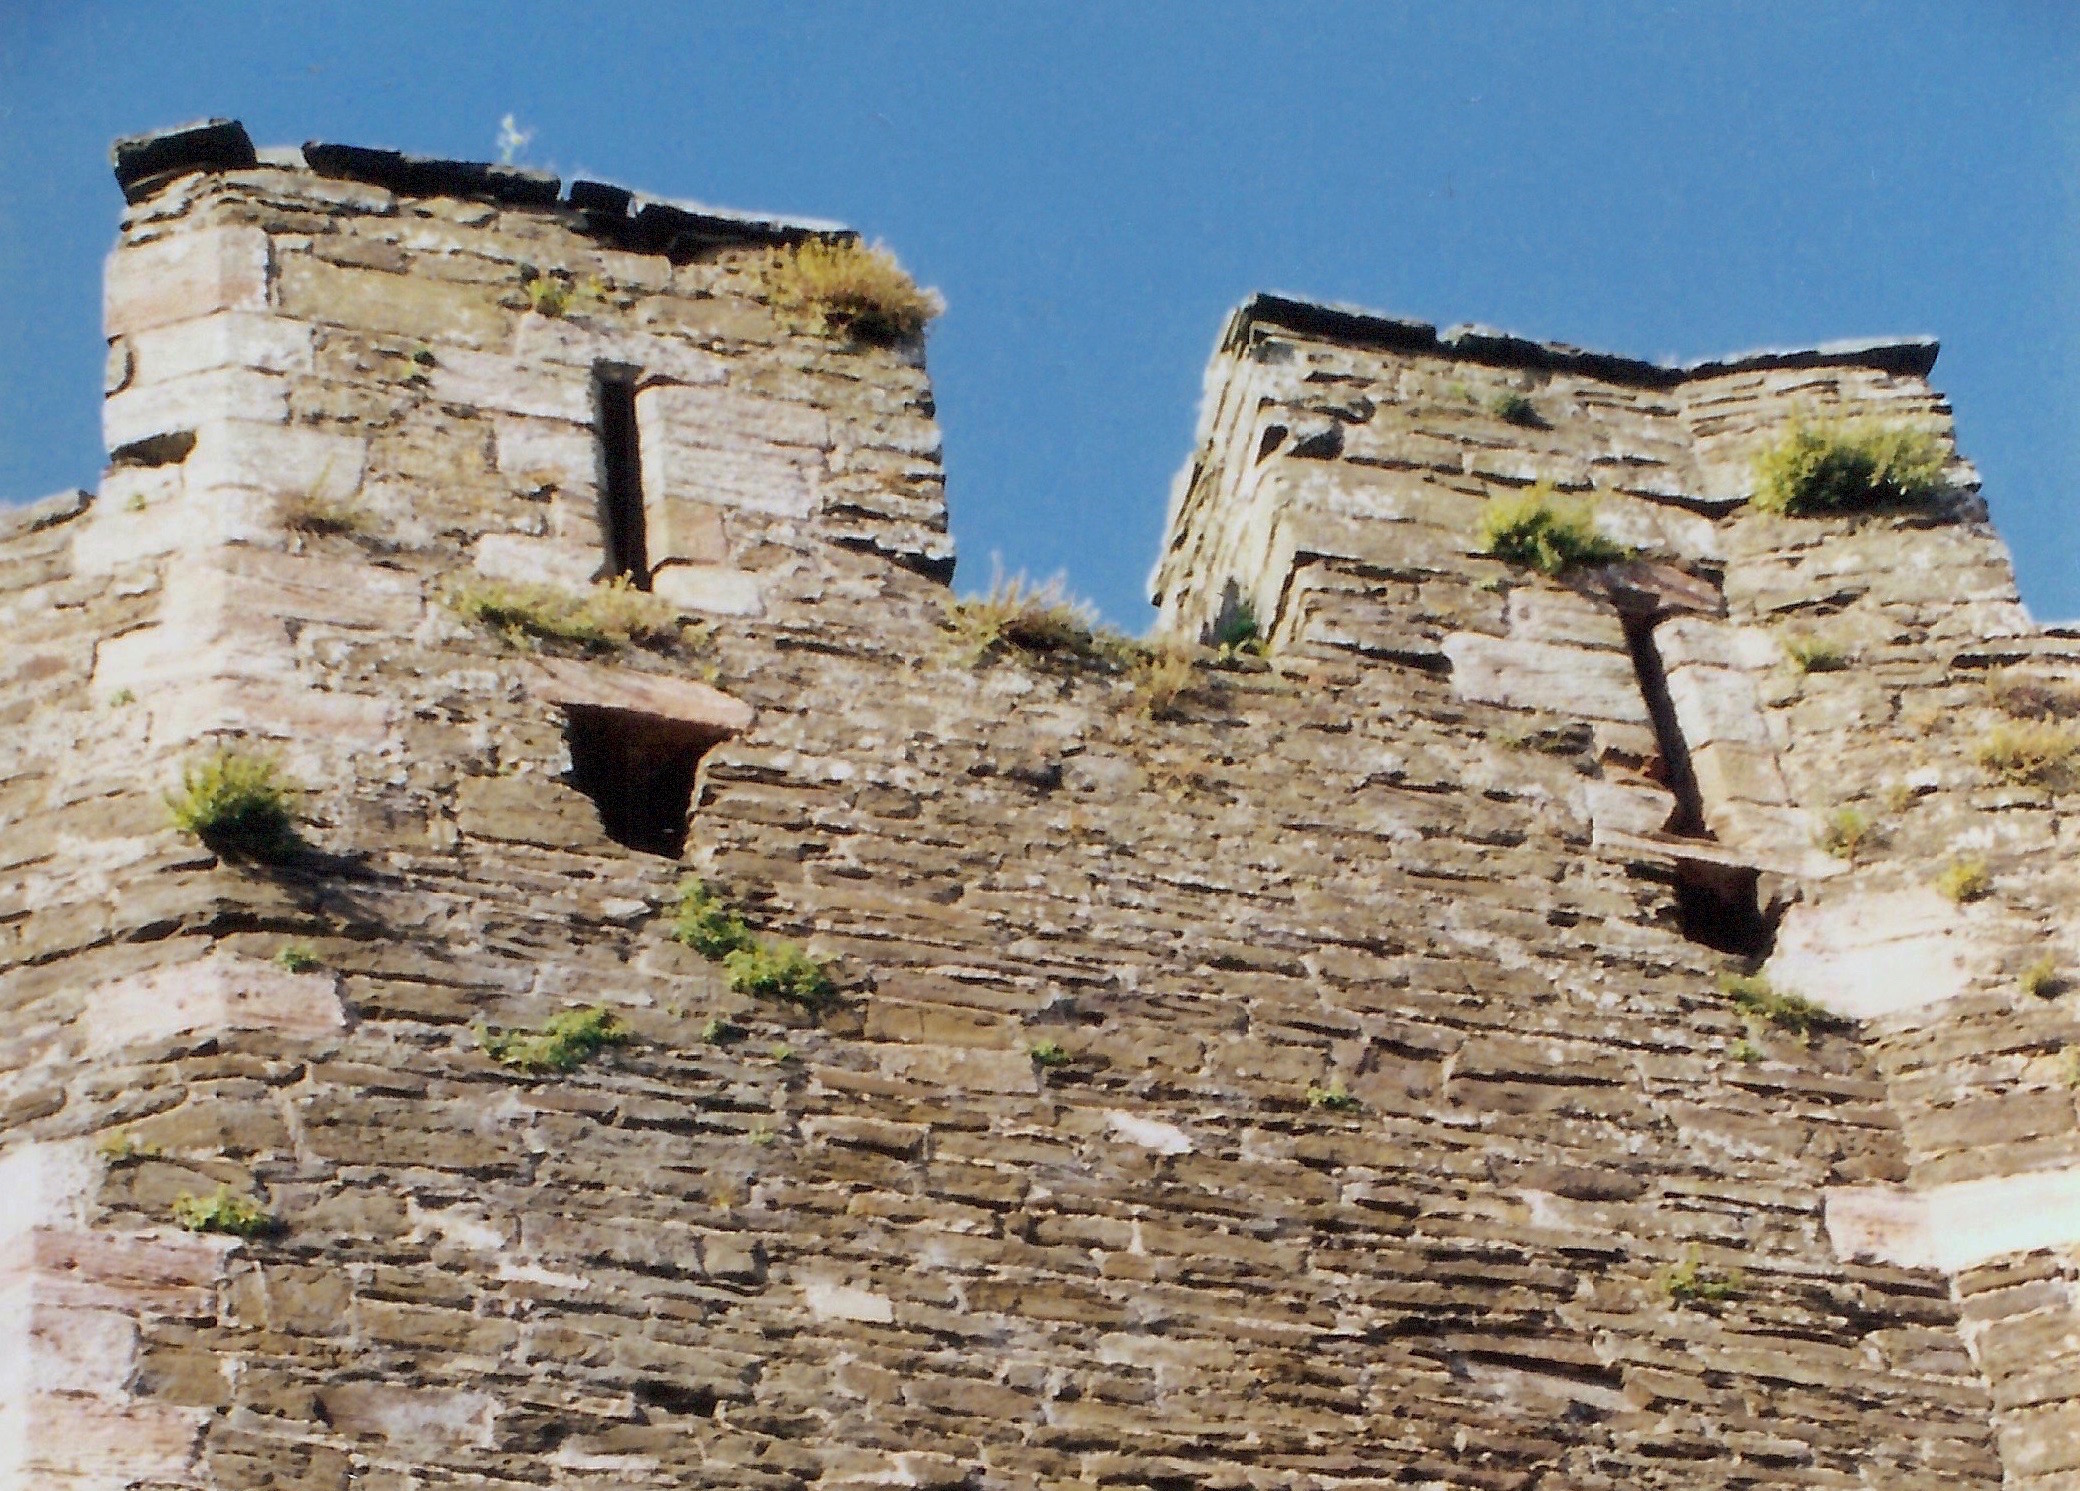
(1093, 186)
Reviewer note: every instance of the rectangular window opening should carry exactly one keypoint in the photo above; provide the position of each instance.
(640, 771)
(620, 473)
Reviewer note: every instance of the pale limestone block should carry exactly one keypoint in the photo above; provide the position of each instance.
(47, 1184)
(189, 274)
(566, 681)
(576, 341)
(1717, 704)
(531, 451)
(61, 1442)
(766, 480)
(536, 561)
(1541, 614)
(1575, 682)
(421, 307)
(505, 385)
(230, 339)
(712, 589)
(1684, 640)
(679, 528)
(1956, 1226)
(139, 514)
(730, 419)
(971, 1069)
(183, 404)
(1878, 952)
(1635, 809)
(281, 460)
(1149, 1133)
(828, 1299)
(1729, 772)
(421, 1421)
(1657, 528)
(302, 587)
(212, 996)
(323, 724)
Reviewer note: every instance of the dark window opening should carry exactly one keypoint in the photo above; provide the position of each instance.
(1677, 774)
(1273, 437)
(621, 474)
(639, 770)
(1721, 907)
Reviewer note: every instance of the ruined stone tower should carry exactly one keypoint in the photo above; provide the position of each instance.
(1321, 1081)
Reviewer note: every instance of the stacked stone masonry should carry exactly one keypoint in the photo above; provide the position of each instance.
(1427, 854)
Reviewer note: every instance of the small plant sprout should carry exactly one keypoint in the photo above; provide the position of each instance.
(547, 294)
(318, 515)
(1540, 532)
(294, 957)
(567, 1041)
(2040, 980)
(121, 698)
(1761, 1005)
(1745, 1051)
(1965, 880)
(1851, 466)
(239, 805)
(1512, 407)
(1846, 833)
(119, 1145)
(782, 971)
(781, 1052)
(1048, 1053)
(1811, 654)
(1688, 1282)
(1238, 630)
(720, 1032)
(1164, 682)
(1331, 1099)
(2031, 753)
(705, 923)
(235, 1216)
(839, 287)
(761, 1134)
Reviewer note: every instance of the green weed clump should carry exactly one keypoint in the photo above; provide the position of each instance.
(609, 616)
(294, 957)
(841, 287)
(1848, 466)
(239, 805)
(1762, 1004)
(1846, 832)
(2040, 980)
(1540, 532)
(782, 971)
(566, 1042)
(1810, 654)
(1965, 880)
(1017, 615)
(705, 923)
(2030, 753)
(1689, 1282)
(1333, 1099)
(235, 1216)
(1164, 681)
(1049, 1054)
(1513, 408)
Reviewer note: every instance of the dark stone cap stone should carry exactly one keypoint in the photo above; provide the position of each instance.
(1352, 326)
(428, 176)
(144, 163)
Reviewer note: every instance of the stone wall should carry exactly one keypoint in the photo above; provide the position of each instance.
(1394, 1105)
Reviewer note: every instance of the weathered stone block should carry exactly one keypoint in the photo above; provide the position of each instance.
(185, 275)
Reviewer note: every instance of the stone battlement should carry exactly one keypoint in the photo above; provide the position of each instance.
(1319, 1072)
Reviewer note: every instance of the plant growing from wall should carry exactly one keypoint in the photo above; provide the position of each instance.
(239, 805)
(1688, 1282)
(235, 1216)
(1762, 1004)
(1513, 408)
(704, 922)
(1822, 467)
(610, 615)
(1811, 654)
(1539, 531)
(840, 287)
(1164, 682)
(2040, 980)
(755, 966)
(1965, 880)
(1019, 616)
(1846, 833)
(1332, 1099)
(2030, 753)
(2025, 698)
(294, 957)
(1049, 1054)
(565, 1042)
(318, 515)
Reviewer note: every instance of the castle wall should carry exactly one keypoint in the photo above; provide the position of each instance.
(886, 1246)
